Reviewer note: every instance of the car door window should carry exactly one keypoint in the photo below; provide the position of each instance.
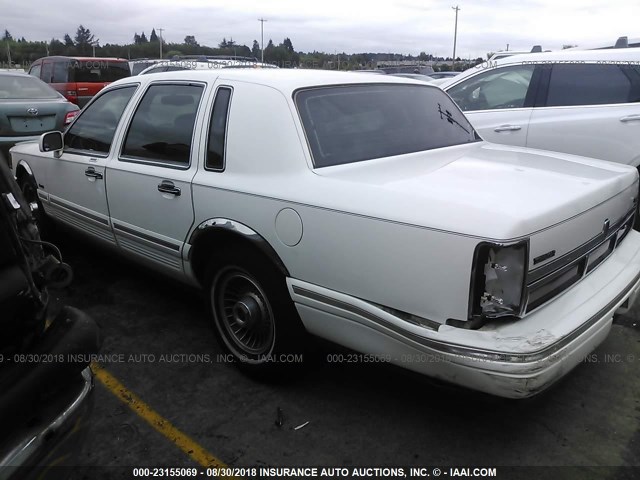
(162, 127)
(218, 130)
(494, 89)
(60, 72)
(35, 71)
(94, 130)
(593, 84)
(47, 72)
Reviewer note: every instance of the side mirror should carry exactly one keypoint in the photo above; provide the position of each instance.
(52, 142)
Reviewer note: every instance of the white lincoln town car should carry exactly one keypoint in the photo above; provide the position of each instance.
(358, 208)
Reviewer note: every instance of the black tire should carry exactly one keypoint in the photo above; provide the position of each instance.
(29, 191)
(253, 315)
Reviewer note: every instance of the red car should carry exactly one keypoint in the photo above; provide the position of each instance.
(79, 78)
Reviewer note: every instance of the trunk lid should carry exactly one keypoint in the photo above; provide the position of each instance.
(27, 118)
(484, 190)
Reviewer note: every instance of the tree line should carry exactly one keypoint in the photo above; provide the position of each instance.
(22, 52)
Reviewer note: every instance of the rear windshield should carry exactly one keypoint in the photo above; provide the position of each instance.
(346, 124)
(27, 87)
(97, 71)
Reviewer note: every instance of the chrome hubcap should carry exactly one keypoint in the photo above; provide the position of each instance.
(244, 314)
(249, 311)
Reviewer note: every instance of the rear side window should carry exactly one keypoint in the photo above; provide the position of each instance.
(218, 130)
(162, 127)
(346, 124)
(497, 88)
(47, 72)
(593, 84)
(96, 126)
(98, 71)
(60, 72)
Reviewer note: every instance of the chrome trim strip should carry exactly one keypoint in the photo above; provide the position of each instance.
(149, 238)
(29, 447)
(77, 211)
(26, 166)
(578, 253)
(473, 353)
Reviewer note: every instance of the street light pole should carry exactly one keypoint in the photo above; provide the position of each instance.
(262, 20)
(455, 38)
(93, 46)
(161, 30)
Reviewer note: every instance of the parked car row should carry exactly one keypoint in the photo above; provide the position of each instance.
(364, 209)
(202, 64)
(580, 102)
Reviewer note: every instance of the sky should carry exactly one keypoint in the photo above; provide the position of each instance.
(351, 26)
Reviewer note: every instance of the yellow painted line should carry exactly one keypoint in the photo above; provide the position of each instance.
(181, 440)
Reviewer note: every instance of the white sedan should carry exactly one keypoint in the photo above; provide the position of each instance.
(366, 211)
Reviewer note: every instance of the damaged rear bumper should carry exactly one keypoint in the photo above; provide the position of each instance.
(513, 359)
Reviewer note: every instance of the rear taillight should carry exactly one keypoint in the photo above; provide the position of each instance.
(68, 118)
(72, 96)
(498, 283)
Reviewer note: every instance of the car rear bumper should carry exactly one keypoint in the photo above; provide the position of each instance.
(45, 398)
(54, 441)
(513, 359)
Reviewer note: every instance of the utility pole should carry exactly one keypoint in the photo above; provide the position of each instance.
(161, 30)
(262, 20)
(455, 38)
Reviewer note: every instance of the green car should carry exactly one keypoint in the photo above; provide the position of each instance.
(29, 107)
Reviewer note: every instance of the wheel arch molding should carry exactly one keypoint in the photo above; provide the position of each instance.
(216, 232)
(22, 165)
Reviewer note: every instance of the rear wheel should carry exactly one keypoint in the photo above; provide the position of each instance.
(254, 318)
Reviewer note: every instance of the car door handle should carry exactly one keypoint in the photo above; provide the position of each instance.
(507, 128)
(91, 173)
(630, 118)
(169, 187)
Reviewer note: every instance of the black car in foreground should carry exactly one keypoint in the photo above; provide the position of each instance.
(45, 381)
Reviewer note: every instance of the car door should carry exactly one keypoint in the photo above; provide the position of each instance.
(498, 102)
(149, 187)
(589, 109)
(76, 180)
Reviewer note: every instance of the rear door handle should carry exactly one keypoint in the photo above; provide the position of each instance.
(168, 187)
(507, 128)
(630, 118)
(91, 173)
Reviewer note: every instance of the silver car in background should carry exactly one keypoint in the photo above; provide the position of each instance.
(29, 107)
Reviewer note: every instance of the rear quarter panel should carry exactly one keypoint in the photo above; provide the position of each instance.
(413, 269)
